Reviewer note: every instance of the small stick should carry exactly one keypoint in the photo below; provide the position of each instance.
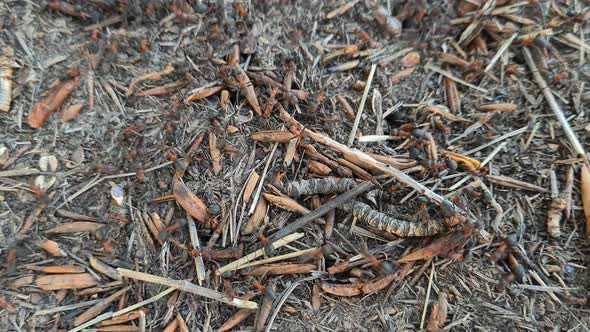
(194, 236)
(65, 308)
(261, 183)
(186, 286)
(454, 78)
(427, 298)
(569, 133)
(322, 210)
(357, 120)
(248, 258)
(277, 258)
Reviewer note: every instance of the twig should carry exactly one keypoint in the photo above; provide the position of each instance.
(553, 104)
(194, 236)
(19, 172)
(454, 78)
(110, 314)
(357, 120)
(424, 310)
(496, 140)
(283, 299)
(65, 308)
(322, 210)
(262, 177)
(248, 258)
(189, 287)
(501, 51)
(277, 258)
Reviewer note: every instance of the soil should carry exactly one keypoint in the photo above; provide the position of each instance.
(131, 142)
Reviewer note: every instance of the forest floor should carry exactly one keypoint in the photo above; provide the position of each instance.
(386, 165)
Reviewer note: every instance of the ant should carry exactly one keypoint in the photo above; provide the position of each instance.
(384, 268)
(269, 249)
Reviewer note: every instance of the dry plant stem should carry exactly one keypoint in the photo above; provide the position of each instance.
(194, 236)
(424, 310)
(186, 286)
(250, 257)
(359, 113)
(322, 210)
(261, 183)
(283, 299)
(111, 314)
(385, 168)
(573, 139)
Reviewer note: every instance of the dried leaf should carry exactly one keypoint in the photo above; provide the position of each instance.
(500, 107)
(189, 201)
(257, 218)
(75, 227)
(51, 247)
(316, 299)
(438, 315)
(411, 59)
(234, 56)
(66, 281)
(204, 93)
(215, 154)
(240, 316)
(345, 66)
(397, 77)
(250, 186)
(56, 268)
(349, 290)
(281, 136)
(452, 95)
(42, 110)
(286, 203)
(444, 244)
(71, 112)
(148, 77)
(585, 188)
